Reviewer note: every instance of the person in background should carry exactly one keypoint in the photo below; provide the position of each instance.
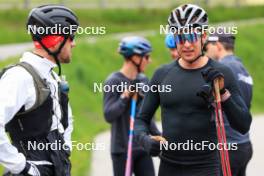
(136, 54)
(171, 45)
(220, 46)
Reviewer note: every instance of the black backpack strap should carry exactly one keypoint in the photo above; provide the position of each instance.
(63, 100)
(42, 90)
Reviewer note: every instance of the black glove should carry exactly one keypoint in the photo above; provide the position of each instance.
(210, 74)
(151, 146)
(137, 85)
(30, 170)
(206, 92)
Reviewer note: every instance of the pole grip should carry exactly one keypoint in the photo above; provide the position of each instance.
(217, 90)
(135, 96)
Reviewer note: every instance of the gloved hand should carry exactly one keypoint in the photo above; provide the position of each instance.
(152, 144)
(30, 170)
(210, 74)
(135, 86)
(139, 84)
(131, 90)
(206, 93)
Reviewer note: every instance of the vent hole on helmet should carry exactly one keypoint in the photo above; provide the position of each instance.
(184, 7)
(188, 12)
(47, 11)
(198, 13)
(204, 18)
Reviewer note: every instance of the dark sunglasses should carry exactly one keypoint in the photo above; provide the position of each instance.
(190, 37)
(146, 57)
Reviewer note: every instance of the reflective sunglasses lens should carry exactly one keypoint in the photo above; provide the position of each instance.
(179, 39)
(182, 38)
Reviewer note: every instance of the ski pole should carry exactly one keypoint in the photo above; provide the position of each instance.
(131, 134)
(221, 134)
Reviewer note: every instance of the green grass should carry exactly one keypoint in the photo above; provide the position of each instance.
(93, 62)
(249, 47)
(72, 1)
(118, 20)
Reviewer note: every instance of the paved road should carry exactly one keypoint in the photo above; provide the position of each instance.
(11, 50)
(101, 161)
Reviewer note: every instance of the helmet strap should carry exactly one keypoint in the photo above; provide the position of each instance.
(137, 65)
(198, 57)
(55, 53)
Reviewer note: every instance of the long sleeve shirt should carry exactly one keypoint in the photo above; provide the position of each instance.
(185, 116)
(245, 83)
(117, 113)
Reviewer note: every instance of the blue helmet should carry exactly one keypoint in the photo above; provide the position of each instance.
(130, 46)
(170, 42)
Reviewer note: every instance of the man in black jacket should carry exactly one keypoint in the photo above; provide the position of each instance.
(220, 46)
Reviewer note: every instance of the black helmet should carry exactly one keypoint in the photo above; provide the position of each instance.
(50, 16)
(56, 16)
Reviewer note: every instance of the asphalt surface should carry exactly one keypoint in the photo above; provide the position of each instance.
(102, 165)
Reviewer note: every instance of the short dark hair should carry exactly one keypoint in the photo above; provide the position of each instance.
(206, 44)
(228, 46)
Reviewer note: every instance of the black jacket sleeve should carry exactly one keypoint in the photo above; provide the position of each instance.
(235, 108)
(114, 105)
(149, 105)
(152, 127)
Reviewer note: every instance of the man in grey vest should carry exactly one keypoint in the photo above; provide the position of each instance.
(220, 46)
(34, 107)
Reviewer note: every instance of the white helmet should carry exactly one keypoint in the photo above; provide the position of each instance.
(188, 15)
